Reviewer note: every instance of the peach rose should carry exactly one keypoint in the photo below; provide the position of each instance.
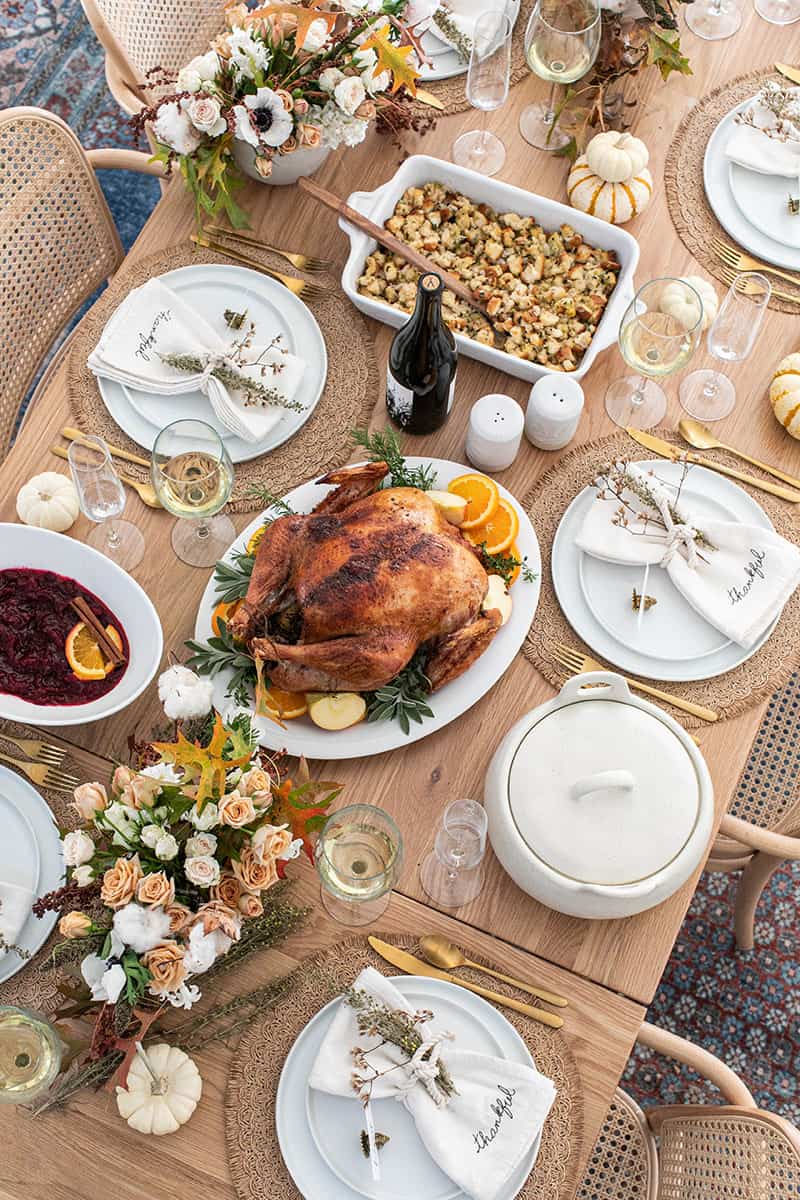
(253, 875)
(156, 888)
(90, 798)
(120, 882)
(301, 106)
(141, 792)
(74, 925)
(250, 906)
(235, 15)
(216, 915)
(256, 782)
(228, 890)
(179, 916)
(121, 778)
(263, 165)
(366, 110)
(270, 841)
(287, 147)
(165, 964)
(220, 44)
(309, 135)
(236, 810)
(286, 98)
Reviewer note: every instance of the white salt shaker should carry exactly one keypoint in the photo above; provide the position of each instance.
(554, 410)
(495, 432)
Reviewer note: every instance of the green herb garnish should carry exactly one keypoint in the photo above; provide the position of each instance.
(505, 564)
(383, 446)
(233, 579)
(221, 653)
(405, 698)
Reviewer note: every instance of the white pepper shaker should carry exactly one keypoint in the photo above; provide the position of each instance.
(554, 410)
(495, 430)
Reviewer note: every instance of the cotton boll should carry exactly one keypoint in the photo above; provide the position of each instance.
(184, 694)
(141, 928)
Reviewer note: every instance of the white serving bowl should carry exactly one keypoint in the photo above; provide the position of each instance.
(22, 546)
(503, 197)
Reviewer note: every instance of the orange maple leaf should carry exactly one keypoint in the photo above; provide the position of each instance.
(393, 58)
(304, 14)
(203, 765)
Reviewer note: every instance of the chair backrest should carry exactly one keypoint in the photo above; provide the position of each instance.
(159, 33)
(58, 242)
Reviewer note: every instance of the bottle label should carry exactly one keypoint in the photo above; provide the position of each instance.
(400, 399)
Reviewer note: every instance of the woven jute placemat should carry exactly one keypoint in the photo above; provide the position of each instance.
(729, 694)
(323, 443)
(691, 214)
(254, 1156)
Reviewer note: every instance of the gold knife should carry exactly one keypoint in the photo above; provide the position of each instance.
(792, 73)
(428, 98)
(76, 435)
(667, 450)
(415, 966)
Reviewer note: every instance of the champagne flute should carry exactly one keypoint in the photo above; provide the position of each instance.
(102, 500)
(358, 855)
(562, 39)
(193, 476)
(655, 344)
(713, 20)
(451, 873)
(30, 1055)
(487, 89)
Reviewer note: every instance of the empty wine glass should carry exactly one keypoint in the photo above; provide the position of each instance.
(655, 344)
(451, 874)
(562, 39)
(708, 394)
(193, 477)
(102, 500)
(358, 854)
(487, 89)
(778, 12)
(713, 20)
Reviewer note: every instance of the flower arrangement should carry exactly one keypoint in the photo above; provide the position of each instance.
(282, 78)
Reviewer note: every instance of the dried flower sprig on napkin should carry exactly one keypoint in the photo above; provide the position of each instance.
(617, 478)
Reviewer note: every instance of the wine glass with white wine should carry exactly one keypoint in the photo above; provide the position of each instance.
(193, 476)
(562, 39)
(358, 855)
(655, 344)
(30, 1055)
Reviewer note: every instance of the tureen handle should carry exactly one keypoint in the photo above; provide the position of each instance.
(602, 781)
(587, 687)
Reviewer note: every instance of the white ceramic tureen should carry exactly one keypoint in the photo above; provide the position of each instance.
(600, 804)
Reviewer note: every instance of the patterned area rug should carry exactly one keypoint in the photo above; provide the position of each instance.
(745, 1007)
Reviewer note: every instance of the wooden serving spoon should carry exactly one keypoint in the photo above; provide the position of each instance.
(437, 951)
(701, 437)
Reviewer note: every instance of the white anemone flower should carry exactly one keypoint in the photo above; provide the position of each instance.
(268, 120)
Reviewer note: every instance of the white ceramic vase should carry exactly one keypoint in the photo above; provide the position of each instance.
(286, 168)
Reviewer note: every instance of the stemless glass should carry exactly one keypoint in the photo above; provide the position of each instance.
(562, 39)
(487, 89)
(358, 855)
(451, 874)
(30, 1055)
(102, 500)
(708, 394)
(654, 344)
(778, 12)
(713, 20)
(193, 477)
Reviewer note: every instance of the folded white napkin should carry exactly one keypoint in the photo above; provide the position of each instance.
(152, 321)
(739, 587)
(15, 908)
(751, 145)
(479, 1136)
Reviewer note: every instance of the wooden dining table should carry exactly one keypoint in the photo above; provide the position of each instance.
(611, 968)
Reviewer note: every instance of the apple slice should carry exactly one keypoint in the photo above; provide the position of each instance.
(336, 710)
(497, 596)
(453, 507)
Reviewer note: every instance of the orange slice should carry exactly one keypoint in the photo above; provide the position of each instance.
(514, 553)
(85, 656)
(286, 705)
(499, 531)
(223, 612)
(481, 495)
(254, 540)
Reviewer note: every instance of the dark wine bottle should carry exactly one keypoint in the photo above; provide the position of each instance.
(421, 375)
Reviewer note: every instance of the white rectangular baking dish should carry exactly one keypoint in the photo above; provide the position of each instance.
(504, 197)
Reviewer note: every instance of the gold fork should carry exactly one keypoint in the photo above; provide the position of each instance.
(577, 664)
(303, 262)
(752, 289)
(44, 776)
(298, 287)
(145, 491)
(35, 748)
(733, 257)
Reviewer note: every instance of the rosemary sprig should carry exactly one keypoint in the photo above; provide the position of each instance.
(255, 392)
(443, 21)
(383, 446)
(221, 653)
(233, 579)
(405, 698)
(276, 505)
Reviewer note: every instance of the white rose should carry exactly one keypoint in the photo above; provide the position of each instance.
(316, 36)
(204, 113)
(166, 847)
(201, 843)
(78, 848)
(349, 94)
(188, 80)
(173, 128)
(206, 819)
(364, 58)
(150, 835)
(202, 870)
(329, 78)
(164, 771)
(375, 83)
(206, 65)
(83, 876)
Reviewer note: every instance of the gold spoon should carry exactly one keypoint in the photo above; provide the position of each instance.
(437, 951)
(701, 437)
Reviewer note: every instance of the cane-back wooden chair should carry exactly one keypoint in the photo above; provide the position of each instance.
(58, 241)
(729, 1151)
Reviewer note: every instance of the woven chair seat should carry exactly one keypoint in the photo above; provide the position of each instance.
(724, 1155)
(768, 794)
(623, 1162)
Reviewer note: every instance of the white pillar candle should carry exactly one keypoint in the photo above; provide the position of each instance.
(495, 432)
(554, 410)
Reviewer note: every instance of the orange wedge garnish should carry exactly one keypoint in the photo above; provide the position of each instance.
(481, 495)
(254, 539)
(285, 705)
(223, 612)
(514, 553)
(499, 531)
(85, 656)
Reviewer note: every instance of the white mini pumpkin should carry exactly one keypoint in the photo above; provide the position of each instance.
(612, 202)
(680, 304)
(163, 1104)
(48, 501)
(616, 157)
(784, 394)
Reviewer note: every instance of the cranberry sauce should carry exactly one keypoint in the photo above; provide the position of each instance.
(35, 618)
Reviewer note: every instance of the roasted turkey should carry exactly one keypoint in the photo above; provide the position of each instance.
(341, 599)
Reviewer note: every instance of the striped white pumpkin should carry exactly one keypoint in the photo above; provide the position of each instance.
(784, 394)
(612, 202)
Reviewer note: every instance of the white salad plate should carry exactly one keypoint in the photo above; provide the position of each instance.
(319, 1134)
(212, 288)
(30, 857)
(445, 61)
(302, 736)
(672, 642)
(747, 204)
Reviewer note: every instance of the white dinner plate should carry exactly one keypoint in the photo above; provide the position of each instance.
(301, 736)
(447, 63)
(30, 856)
(318, 1133)
(736, 216)
(212, 288)
(673, 642)
(762, 200)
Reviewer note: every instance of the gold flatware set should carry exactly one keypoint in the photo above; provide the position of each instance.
(438, 952)
(699, 436)
(43, 774)
(736, 260)
(674, 453)
(298, 287)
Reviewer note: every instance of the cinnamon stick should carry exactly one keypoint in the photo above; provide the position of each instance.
(109, 648)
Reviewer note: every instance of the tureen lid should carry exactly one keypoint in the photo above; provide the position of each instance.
(603, 791)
